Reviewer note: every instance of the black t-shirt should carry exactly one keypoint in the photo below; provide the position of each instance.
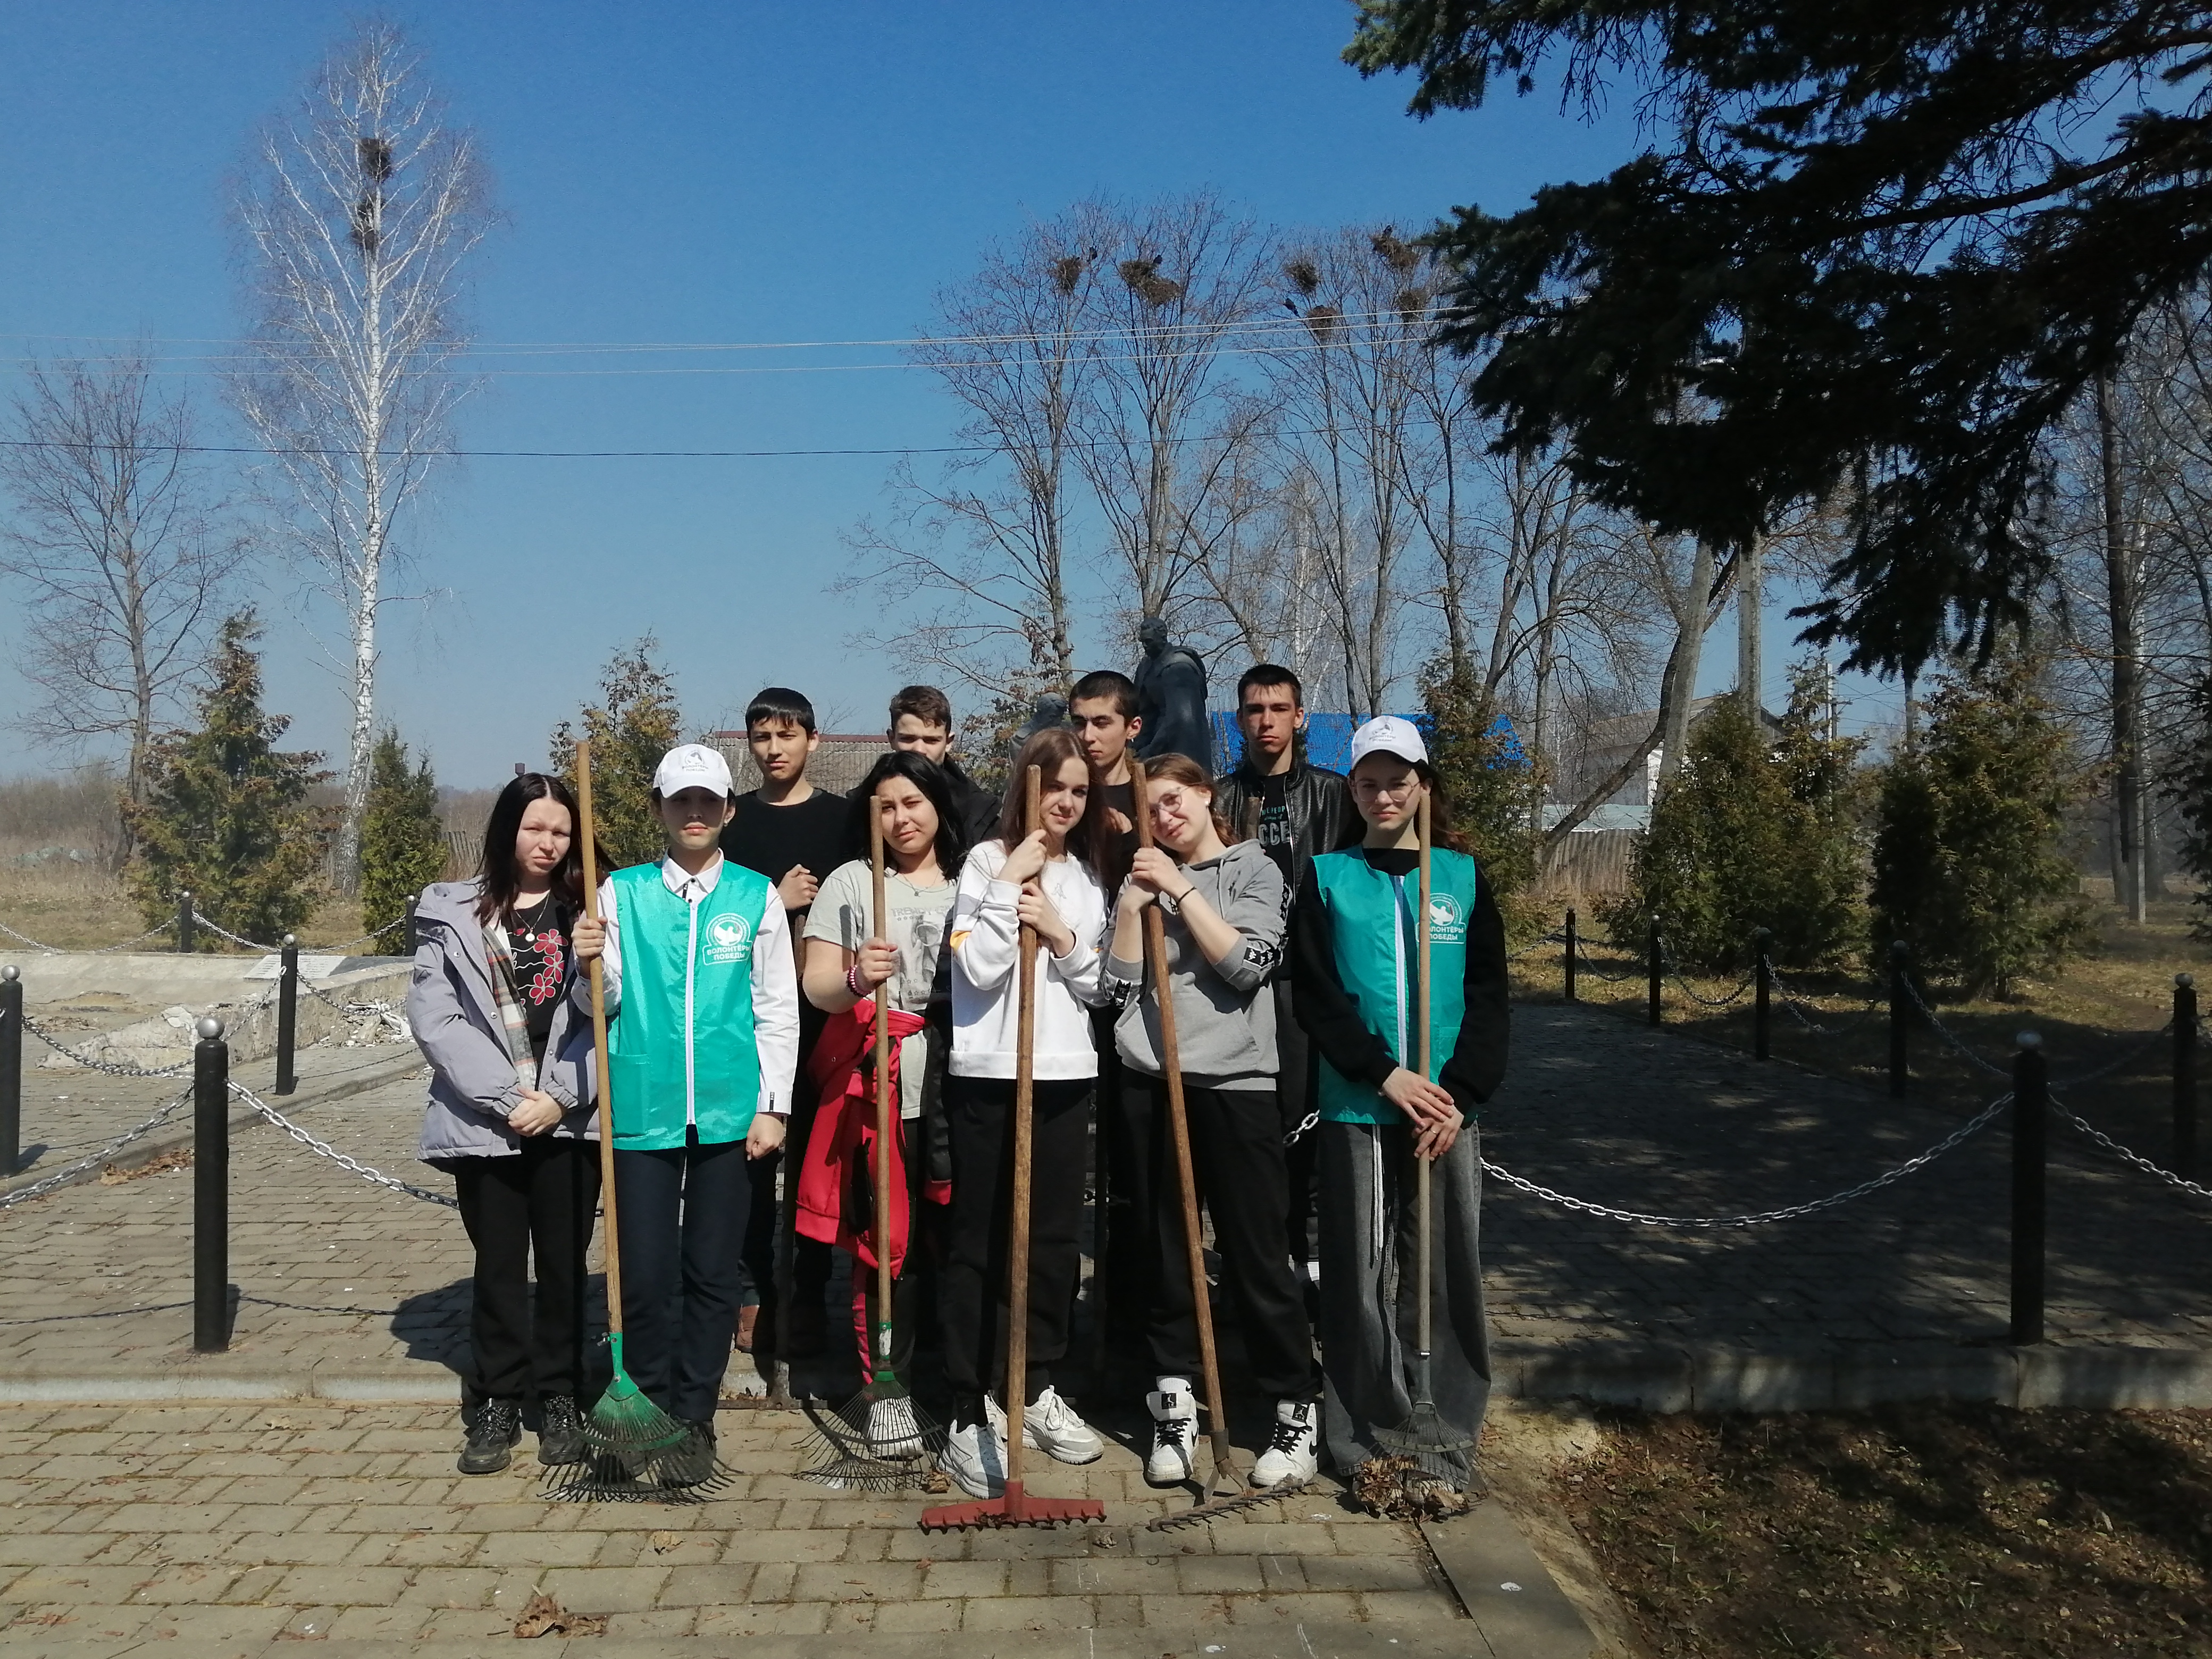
(1274, 832)
(772, 839)
(537, 945)
(1116, 852)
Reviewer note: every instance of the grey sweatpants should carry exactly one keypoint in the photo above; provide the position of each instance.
(1370, 1323)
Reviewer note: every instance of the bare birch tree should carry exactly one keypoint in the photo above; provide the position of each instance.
(984, 547)
(357, 217)
(117, 556)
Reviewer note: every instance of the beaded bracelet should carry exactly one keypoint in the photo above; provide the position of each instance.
(853, 982)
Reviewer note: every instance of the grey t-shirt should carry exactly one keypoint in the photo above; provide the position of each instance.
(843, 915)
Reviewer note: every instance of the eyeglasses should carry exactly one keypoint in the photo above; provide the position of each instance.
(1367, 789)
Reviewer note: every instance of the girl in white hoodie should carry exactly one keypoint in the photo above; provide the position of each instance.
(1045, 880)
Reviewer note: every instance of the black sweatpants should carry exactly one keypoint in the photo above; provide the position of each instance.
(542, 1199)
(972, 1297)
(774, 1256)
(681, 1218)
(1236, 1154)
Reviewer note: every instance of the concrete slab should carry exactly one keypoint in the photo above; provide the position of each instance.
(1872, 1376)
(1651, 1379)
(1505, 1590)
(2115, 1378)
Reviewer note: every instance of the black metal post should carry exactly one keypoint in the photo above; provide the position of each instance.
(2031, 1113)
(409, 929)
(1900, 1000)
(1651, 960)
(210, 1189)
(11, 1068)
(1567, 970)
(2185, 1077)
(1760, 1001)
(288, 1013)
(184, 924)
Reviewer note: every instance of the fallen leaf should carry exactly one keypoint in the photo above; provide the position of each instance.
(542, 1616)
(663, 1542)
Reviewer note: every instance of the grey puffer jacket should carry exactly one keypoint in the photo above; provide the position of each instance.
(455, 1019)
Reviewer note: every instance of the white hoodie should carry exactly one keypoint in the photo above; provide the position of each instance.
(986, 934)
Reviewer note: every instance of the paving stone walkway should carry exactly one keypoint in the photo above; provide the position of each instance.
(1601, 1108)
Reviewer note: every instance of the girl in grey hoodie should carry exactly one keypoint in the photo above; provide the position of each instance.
(1223, 915)
(510, 1114)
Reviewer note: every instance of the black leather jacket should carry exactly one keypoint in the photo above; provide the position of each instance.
(1322, 817)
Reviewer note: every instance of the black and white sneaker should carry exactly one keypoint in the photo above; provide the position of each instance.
(492, 1436)
(1291, 1456)
(1175, 1433)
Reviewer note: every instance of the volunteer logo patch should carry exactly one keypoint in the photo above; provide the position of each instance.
(729, 939)
(1446, 925)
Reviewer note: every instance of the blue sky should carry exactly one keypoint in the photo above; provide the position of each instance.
(676, 172)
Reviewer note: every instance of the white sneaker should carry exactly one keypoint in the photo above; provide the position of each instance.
(974, 1457)
(1051, 1427)
(1292, 1455)
(1175, 1433)
(893, 1429)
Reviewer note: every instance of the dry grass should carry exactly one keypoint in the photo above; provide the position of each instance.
(1909, 1532)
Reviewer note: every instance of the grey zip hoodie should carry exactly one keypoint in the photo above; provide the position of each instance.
(1225, 1021)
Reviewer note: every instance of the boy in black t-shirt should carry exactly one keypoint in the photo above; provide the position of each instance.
(793, 833)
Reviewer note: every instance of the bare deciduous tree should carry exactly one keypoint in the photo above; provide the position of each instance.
(357, 215)
(116, 555)
(985, 547)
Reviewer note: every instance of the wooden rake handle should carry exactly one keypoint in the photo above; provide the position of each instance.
(585, 828)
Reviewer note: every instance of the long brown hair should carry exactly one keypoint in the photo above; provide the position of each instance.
(1048, 750)
(498, 873)
(1182, 769)
(1441, 832)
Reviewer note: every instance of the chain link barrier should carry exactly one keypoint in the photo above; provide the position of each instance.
(1674, 972)
(255, 945)
(95, 951)
(1790, 1212)
(1796, 1005)
(62, 1176)
(1582, 955)
(323, 1149)
(2126, 1154)
(112, 1067)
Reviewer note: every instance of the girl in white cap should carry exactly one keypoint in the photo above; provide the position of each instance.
(1354, 946)
(703, 1006)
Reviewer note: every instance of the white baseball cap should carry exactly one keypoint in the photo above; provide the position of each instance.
(692, 766)
(1389, 734)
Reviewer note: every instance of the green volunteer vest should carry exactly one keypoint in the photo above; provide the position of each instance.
(659, 1061)
(1371, 916)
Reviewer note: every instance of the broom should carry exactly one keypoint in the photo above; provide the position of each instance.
(1424, 1442)
(1230, 1487)
(1015, 1507)
(627, 1437)
(881, 1439)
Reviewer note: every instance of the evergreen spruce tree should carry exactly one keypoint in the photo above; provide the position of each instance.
(1485, 775)
(1756, 831)
(1967, 870)
(635, 722)
(2188, 783)
(403, 840)
(226, 816)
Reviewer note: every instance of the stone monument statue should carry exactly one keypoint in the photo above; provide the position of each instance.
(1171, 698)
(1050, 709)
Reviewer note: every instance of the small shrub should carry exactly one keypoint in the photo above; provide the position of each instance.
(1484, 775)
(635, 722)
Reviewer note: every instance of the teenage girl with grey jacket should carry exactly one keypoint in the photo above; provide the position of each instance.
(510, 1114)
(1222, 908)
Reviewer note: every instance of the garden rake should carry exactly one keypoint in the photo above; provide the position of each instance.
(881, 1439)
(1424, 1444)
(627, 1438)
(1230, 1487)
(1015, 1507)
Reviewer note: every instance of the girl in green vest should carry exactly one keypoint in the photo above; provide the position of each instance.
(1354, 952)
(703, 1035)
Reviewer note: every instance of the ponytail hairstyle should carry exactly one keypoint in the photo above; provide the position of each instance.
(1182, 769)
(498, 874)
(1442, 833)
(1048, 750)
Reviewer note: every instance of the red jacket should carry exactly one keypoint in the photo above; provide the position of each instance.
(840, 1152)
